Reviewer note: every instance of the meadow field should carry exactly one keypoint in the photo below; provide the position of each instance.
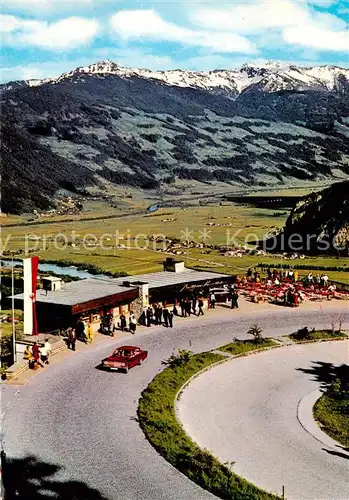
(123, 240)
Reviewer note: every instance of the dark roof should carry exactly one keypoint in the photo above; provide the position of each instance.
(169, 278)
(77, 292)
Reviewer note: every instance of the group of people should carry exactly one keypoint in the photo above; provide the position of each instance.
(80, 332)
(108, 324)
(192, 305)
(321, 280)
(234, 297)
(276, 276)
(292, 297)
(38, 355)
(158, 315)
(286, 287)
(155, 314)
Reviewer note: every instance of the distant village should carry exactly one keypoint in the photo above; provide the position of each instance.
(65, 206)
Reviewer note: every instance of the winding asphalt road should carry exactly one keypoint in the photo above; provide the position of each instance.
(83, 420)
(246, 411)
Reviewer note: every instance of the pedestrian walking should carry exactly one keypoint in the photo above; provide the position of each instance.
(48, 346)
(36, 355)
(183, 309)
(71, 338)
(28, 354)
(155, 309)
(212, 301)
(159, 313)
(101, 324)
(201, 305)
(193, 303)
(149, 316)
(170, 319)
(45, 352)
(44, 355)
(132, 323)
(166, 314)
(143, 319)
(234, 299)
(113, 326)
(123, 322)
(188, 307)
(90, 333)
(80, 331)
(109, 324)
(289, 297)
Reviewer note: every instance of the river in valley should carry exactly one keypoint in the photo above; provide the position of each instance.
(57, 269)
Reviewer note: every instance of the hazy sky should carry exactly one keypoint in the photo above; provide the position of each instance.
(42, 38)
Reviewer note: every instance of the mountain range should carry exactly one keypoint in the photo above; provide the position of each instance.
(95, 128)
(271, 77)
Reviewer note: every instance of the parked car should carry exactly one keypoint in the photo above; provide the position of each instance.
(124, 358)
(222, 294)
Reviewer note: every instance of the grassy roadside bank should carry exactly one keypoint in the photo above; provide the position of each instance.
(304, 335)
(331, 413)
(157, 418)
(236, 348)
(331, 410)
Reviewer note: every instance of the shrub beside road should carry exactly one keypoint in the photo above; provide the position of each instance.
(306, 335)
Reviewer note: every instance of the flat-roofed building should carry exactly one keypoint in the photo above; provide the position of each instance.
(93, 298)
(88, 298)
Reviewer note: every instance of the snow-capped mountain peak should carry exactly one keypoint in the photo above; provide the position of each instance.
(271, 76)
(100, 67)
(276, 75)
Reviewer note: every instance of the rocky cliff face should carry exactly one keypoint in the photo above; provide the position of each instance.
(102, 126)
(318, 224)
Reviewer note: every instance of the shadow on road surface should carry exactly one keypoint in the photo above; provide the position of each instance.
(336, 453)
(327, 373)
(30, 479)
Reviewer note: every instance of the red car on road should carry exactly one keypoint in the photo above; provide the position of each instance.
(124, 358)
